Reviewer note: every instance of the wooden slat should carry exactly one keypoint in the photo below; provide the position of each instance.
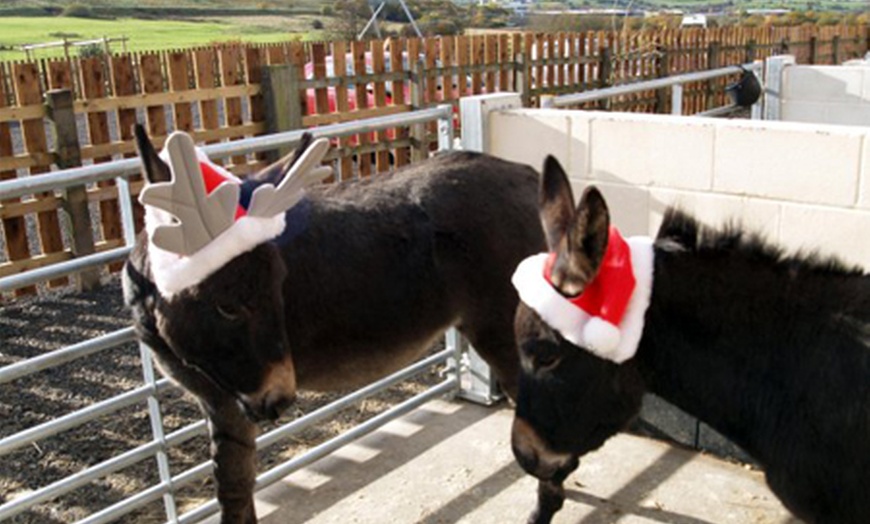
(124, 81)
(339, 57)
(20, 266)
(231, 75)
(204, 61)
(431, 60)
(31, 205)
(477, 57)
(14, 229)
(504, 59)
(94, 87)
(490, 57)
(27, 160)
(462, 59)
(380, 92)
(28, 112)
(402, 154)
(358, 51)
(255, 58)
(179, 81)
(209, 136)
(203, 95)
(28, 92)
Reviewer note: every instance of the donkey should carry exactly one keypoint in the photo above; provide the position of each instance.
(771, 350)
(324, 288)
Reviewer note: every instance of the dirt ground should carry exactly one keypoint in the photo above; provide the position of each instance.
(33, 326)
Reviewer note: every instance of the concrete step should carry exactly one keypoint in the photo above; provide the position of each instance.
(450, 462)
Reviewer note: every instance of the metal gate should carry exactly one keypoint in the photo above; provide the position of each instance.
(462, 376)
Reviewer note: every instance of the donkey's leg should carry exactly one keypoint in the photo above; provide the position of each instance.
(492, 335)
(233, 435)
(551, 493)
(233, 449)
(551, 496)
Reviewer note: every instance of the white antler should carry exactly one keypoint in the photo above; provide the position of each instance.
(201, 217)
(267, 200)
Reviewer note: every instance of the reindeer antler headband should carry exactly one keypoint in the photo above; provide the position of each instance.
(195, 222)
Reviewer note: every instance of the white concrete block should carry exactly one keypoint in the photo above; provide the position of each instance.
(795, 110)
(832, 231)
(628, 205)
(826, 113)
(824, 83)
(661, 151)
(528, 136)
(849, 114)
(864, 183)
(580, 150)
(717, 210)
(789, 161)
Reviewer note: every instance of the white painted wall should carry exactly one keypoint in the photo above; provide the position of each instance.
(826, 94)
(804, 186)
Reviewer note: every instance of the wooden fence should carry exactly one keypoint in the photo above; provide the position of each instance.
(63, 113)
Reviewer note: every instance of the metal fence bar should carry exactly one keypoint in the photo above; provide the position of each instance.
(128, 458)
(332, 408)
(67, 354)
(282, 470)
(77, 418)
(157, 431)
(63, 268)
(19, 187)
(648, 85)
(158, 446)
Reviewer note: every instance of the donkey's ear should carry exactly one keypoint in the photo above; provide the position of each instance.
(582, 249)
(275, 172)
(556, 202)
(155, 170)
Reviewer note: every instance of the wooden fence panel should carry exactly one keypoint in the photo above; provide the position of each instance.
(204, 61)
(231, 75)
(94, 87)
(339, 58)
(380, 97)
(124, 80)
(402, 154)
(178, 66)
(358, 52)
(29, 92)
(255, 57)
(14, 227)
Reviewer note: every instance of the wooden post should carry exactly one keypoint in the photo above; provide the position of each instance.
(521, 79)
(750, 51)
(712, 63)
(835, 50)
(419, 146)
(75, 199)
(605, 68)
(662, 70)
(281, 98)
(812, 54)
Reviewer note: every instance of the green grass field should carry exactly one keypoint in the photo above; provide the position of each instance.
(148, 34)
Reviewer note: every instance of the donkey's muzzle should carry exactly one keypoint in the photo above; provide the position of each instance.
(536, 457)
(275, 396)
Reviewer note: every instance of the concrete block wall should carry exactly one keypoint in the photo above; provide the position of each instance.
(826, 94)
(804, 186)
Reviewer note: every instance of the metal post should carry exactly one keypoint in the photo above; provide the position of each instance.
(774, 73)
(474, 113)
(445, 129)
(677, 99)
(157, 432)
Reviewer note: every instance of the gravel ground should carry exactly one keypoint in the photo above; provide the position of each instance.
(32, 326)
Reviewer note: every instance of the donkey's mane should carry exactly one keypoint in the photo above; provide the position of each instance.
(690, 234)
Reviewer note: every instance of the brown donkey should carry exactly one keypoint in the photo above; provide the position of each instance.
(353, 281)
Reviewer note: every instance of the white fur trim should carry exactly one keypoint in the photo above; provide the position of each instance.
(173, 273)
(601, 336)
(571, 321)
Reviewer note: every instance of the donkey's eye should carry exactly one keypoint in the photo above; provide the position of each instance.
(231, 313)
(546, 358)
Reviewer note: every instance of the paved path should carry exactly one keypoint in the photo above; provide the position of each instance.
(451, 462)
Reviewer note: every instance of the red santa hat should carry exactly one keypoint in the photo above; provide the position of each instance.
(607, 317)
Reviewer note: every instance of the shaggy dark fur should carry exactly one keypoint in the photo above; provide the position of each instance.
(364, 279)
(770, 349)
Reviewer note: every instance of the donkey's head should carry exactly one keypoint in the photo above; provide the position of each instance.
(218, 302)
(574, 390)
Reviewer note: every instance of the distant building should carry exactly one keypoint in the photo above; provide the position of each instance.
(694, 20)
